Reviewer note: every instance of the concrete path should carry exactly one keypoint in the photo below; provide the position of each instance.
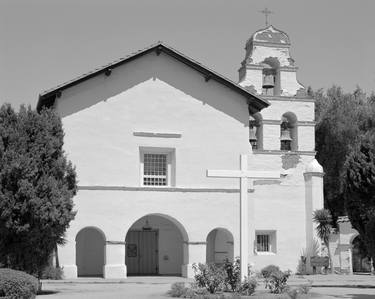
(332, 280)
(324, 286)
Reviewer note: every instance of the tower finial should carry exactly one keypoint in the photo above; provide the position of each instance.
(266, 12)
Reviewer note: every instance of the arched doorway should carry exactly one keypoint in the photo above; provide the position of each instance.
(361, 263)
(156, 245)
(219, 246)
(90, 244)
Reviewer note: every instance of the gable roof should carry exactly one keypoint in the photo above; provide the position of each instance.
(255, 103)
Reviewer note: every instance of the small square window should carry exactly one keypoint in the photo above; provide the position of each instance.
(265, 242)
(156, 166)
(155, 169)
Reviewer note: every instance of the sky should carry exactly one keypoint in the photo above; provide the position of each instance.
(46, 42)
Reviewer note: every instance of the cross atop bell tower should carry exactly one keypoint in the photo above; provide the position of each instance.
(266, 12)
(268, 68)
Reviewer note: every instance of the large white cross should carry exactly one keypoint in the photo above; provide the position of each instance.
(243, 174)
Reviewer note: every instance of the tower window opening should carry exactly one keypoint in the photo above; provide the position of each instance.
(288, 132)
(285, 139)
(269, 81)
(256, 131)
(252, 134)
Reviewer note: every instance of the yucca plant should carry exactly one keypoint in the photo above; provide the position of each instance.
(323, 219)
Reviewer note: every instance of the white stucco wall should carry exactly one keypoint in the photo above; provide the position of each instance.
(157, 94)
(153, 94)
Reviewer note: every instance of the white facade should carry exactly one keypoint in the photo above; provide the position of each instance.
(158, 104)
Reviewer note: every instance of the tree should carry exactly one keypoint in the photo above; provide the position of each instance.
(323, 219)
(341, 118)
(360, 189)
(37, 184)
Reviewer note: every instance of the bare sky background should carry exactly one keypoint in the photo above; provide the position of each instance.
(46, 42)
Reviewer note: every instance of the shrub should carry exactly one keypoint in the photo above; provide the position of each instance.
(247, 287)
(17, 284)
(268, 270)
(209, 276)
(233, 274)
(177, 289)
(277, 281)
(51, 272)
(305, 288)
(180, 290)
(299, 292)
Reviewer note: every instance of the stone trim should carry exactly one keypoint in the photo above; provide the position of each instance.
(270, 45)
(278, 122)
(161, 189)
(319, 174)
(280, 152)
(115, 242)
(161, 135)
(288, 68)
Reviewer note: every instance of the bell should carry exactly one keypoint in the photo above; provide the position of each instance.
(253, 138)
(285, 135)
(252, 135)
(268, 81)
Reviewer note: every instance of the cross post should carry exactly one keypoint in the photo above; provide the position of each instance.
(266, 12)
(243, 174)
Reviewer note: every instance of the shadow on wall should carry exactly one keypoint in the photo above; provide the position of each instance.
(152, 67)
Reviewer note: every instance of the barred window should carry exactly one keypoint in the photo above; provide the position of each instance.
(155, 169)
(263, 243)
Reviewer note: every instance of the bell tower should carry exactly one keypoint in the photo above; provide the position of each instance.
(268, 69)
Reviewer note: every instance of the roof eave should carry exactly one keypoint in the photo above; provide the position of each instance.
(48, 98)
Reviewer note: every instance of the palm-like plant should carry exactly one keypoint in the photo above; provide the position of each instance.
(323, 219)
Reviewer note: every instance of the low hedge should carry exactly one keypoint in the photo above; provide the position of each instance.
(17, 284)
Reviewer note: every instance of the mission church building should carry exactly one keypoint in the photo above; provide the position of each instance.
(145, 131)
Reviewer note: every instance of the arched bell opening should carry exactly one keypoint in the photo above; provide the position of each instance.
(271, 77)
(156, 244)
(219, 246)
(90, 252)
(256, 131)
(289, 132)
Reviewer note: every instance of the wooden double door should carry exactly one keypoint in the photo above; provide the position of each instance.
(142, 255)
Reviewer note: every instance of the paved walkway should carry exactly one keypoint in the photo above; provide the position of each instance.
(324, 286)
(332, 280)
(329, 280)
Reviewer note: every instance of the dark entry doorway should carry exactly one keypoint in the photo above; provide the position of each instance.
(142, 252)
(361, 263)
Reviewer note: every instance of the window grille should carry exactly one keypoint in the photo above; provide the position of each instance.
(263, 243)
(155, 169)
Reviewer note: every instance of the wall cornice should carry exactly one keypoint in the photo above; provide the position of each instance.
(280, 152)
(278, 122)
(270, 45)
(161, 189)
(291, 99)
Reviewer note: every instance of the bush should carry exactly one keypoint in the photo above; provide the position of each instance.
(268, 270)
(180, 290)
(51, 272)
(305, 288)
(299, 292)
(233, 275)
(17, 284)
(277, 281)
(209, 276)
(248, 286)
